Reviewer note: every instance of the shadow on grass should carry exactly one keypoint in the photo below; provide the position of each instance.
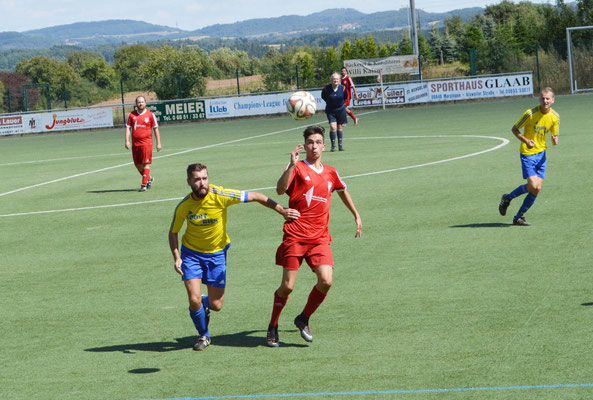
(483, 225)
(112, 190)
(587, 304)
(239, 339)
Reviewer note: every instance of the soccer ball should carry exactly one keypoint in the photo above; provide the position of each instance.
(301, 105)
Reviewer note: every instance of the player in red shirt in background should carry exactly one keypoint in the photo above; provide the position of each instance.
(349, 85)
(141, 123)
(309, 183)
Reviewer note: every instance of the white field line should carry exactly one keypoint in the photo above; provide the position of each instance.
(62, 159)
(157, 157)
(504, 142)
(162, 156)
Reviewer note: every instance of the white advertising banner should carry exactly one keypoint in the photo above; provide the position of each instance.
(11, 125)
(481, 87)
(387, 65)
(230, 107)
(56, 121)
(397, 93)
(446, 90)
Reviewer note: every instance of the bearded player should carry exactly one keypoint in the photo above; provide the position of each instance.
(141, 123)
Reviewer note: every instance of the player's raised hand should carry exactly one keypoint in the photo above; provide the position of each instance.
(294, 155)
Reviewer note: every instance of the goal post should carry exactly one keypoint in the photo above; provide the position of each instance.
(579, 57)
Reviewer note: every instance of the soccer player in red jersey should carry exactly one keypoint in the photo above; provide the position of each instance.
(141, 123)
(309, 183)
(349, 85)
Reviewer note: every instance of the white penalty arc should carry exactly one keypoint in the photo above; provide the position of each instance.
(503, 142)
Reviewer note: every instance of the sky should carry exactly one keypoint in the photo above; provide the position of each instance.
(24, 15)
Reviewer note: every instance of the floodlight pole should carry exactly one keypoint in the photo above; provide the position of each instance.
(414, 27)
(415, 36)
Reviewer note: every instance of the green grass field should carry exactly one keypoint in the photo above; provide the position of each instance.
(441, 298)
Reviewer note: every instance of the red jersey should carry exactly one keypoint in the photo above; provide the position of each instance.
(141, 125)
(348, 84)
(310, 193)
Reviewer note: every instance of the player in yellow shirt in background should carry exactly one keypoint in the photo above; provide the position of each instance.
(536, 123)
(202, 258)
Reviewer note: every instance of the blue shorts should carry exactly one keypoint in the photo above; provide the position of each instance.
(338, 116)
(534, 165)
(209, 267)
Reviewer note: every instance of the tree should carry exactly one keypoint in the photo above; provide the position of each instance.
(346, 50)
(585, 12)
(371, 50)
(304, 61)
(175, 73)
(93, 67)
(227, 62)
(328, 63)
(76, 59)
(127, 64)
(405, 47)
(13, 82)
(279, 70)
(497, 55)
(42, 69)
(47, 70)
(424, 48)
(359, 48)
(454, 26)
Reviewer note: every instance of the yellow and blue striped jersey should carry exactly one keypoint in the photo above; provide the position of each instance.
(206, 219)
(537, 126)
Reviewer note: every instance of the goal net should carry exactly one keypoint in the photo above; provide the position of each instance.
(580, 58)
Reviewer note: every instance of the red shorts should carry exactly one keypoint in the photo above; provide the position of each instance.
(290, 255)
(142, 154)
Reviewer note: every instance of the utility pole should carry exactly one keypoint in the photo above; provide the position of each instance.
(416, 52)
(414, 28)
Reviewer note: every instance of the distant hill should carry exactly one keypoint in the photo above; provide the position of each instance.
(88, 34)
(328, 21)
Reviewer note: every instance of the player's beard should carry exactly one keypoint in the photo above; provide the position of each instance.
(200, 193)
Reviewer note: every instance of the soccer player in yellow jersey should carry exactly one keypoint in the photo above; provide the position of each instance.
(536, 123)
(202, 258)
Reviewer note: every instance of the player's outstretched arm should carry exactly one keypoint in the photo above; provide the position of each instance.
(174, 245)
(157, 136)
(347, 200)
(289, 214)
(127, 138)
(282, 183)
(355, 93)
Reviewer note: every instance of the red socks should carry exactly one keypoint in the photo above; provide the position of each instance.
(314, 301)
(279, 303)
(145, 176)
